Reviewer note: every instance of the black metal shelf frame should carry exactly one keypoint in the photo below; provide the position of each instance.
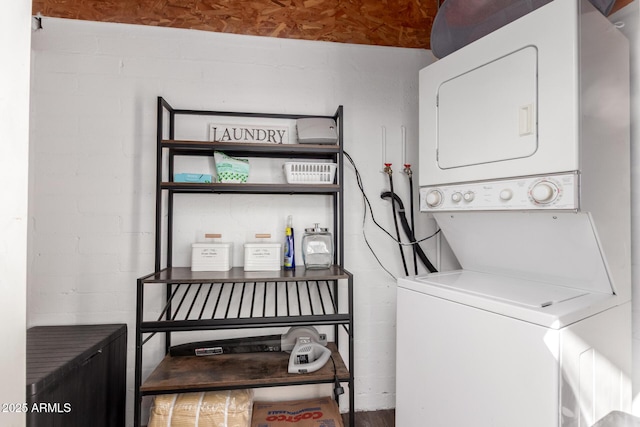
(181, 187)
(194, 303)
(172, 148)
(237, 387)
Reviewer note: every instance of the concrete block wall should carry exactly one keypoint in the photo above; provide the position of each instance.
(92, 158)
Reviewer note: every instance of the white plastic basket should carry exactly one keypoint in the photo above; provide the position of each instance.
(310, 173)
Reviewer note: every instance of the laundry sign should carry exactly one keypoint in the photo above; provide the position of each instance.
(248, 133)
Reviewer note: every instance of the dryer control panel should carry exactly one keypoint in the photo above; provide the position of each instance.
(550, 192)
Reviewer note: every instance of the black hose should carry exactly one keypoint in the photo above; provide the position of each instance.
(395, 222)
(408, 231)
(415, 250)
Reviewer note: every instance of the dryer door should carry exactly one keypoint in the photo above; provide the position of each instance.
(489, 114)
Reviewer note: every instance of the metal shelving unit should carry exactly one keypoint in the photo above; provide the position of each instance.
(199, 301)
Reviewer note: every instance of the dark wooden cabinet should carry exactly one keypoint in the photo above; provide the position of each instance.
(76, 375)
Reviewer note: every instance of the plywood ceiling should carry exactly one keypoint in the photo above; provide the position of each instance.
(401, 23)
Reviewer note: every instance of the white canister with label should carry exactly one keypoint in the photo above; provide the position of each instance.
(262, 256)
(211, 256)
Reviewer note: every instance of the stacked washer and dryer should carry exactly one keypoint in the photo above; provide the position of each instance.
(524, 164)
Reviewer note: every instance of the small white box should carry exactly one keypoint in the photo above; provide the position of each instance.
(262, 256)
(211, 256)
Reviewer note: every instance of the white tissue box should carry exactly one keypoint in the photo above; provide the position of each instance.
(262, 256)
(211, 256)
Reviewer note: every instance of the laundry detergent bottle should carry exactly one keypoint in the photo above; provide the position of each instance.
(289, 244)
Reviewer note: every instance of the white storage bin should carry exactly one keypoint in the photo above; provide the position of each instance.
(262, 256)
(211, 256)
(310, 173)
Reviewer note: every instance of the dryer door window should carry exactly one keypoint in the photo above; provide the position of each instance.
(489, 114)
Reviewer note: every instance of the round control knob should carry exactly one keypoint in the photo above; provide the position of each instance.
(468, 196)
(434, 198)
(544, 192)
(456, 197)
(506, 194)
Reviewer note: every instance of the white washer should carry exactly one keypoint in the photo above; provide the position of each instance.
(462, 361)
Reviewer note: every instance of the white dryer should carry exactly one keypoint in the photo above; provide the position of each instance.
(524, 164)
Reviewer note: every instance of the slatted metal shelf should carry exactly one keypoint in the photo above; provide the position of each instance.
(238, 299)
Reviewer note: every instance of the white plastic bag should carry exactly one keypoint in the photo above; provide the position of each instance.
(205, 409)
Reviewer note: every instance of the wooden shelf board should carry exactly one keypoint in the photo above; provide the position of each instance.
(228, 371)
(238, 275)
(321, 149)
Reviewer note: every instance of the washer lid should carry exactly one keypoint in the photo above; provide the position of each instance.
(560, 248)
(542, 303)
(511, 290)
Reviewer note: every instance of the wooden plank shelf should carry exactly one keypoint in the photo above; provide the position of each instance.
(231, 371)
(238, 275)
(271, 150)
